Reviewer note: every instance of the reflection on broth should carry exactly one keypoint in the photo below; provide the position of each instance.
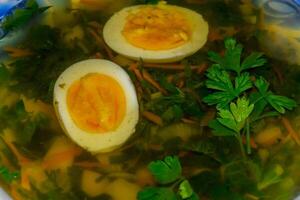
(222, 123)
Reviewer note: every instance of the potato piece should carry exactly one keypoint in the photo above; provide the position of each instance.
(121, 189)
(269, 136)
(91, 185)
(34, 173)
(61, 154)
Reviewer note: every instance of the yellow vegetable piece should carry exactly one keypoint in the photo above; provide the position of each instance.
(61, 154)
(269, 136)
(91, 185)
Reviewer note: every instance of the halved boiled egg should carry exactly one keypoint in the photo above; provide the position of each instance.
(156, 33)
(96, 104)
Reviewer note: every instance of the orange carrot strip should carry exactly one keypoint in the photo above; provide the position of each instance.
(100, 41)
(252, 142)
(58, 158)
(16, 52)
(15, 194)
(152, 117)
(22, 160)
(288, 126)
(138, 74)
(25, 182)
(169, 66)
(149, 78)
(202, 68)
(188, 121)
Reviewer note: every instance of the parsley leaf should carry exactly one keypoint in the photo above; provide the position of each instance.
(235, 118)
(279, 103)
(167, 170)
(185, 190)
(8, 176)
(232, 58)
(22, 16)
(255, 59)
(219, 79)
(219, 130)
(156, 193)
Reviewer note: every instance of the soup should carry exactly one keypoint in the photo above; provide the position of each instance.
(97, 107)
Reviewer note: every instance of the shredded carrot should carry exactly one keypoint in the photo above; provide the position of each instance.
(180, 84)
(98, 55)
(60, 157)
(188, 121)
(252, 142)
(288, 126)
(150, 79)
(133, 66)
(25, 182)
(153, 117)
(16, 52)
(15, 194)
(202, 68)
(214, 35)
(22, 160)
(100, 41)
(138, 74)
(170, 66)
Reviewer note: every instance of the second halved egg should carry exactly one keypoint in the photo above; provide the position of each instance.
(156, 33)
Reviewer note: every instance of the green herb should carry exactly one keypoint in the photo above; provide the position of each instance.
(166, 172)
(272, 176)
(22, 16)
(235, 118)
(179, 102)
(232, 58)
(185, 190)
(279, 103)
(25, 124)
(7, 176)
(220, 80)
(34, 75)
(156, 193)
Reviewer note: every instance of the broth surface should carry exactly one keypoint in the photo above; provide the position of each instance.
(38, 161)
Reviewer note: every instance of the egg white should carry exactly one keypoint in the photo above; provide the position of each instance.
(96, 142)
(114, 38)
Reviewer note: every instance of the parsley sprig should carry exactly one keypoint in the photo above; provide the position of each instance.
(168, 172)
(229, 80)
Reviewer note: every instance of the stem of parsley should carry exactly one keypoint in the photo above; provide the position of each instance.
(248, 136)
(174, 185)
(239, 138)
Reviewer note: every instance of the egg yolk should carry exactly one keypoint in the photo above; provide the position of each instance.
(96, 103)
(155, 28)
